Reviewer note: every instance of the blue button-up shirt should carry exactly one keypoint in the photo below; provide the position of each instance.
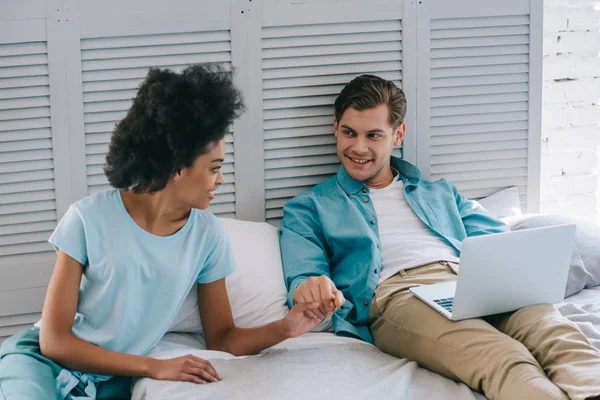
(332, 230)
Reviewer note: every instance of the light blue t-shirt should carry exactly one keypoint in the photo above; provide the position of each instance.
(134, 282)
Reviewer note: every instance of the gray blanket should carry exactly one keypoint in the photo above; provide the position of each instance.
(583, 309)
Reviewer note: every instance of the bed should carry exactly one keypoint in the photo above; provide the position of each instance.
(325, 366)
(319, 365)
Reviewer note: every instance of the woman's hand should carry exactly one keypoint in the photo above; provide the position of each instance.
(188, 368)
(298, 321)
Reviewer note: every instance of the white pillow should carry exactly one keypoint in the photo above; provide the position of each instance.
(504, 203)
(256, 289)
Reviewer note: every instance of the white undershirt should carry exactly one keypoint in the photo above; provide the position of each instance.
(406, 242)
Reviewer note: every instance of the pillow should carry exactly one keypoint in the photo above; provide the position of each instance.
(503, 203)
(584, 271)
(256, 289)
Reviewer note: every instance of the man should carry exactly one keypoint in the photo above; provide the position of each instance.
(359, 240)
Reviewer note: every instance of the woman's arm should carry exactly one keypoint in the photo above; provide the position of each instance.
(221, 333)
(58, 343)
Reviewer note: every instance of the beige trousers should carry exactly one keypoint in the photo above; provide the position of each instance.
(533, 353)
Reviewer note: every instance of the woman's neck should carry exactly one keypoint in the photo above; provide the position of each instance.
(158, 213)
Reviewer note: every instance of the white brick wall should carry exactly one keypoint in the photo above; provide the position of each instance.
(571, 109)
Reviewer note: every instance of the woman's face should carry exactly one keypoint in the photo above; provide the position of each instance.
(196, 186)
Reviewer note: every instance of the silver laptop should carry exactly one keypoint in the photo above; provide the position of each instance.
(504, 272)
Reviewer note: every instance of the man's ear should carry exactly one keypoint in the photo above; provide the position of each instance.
(335, 126)
(399, 134)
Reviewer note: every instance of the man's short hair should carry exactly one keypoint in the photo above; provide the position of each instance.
(368, 91)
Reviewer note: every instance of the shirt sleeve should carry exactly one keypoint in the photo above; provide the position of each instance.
(302, 245)
(220, 262)
(476, 219)
(69, 236)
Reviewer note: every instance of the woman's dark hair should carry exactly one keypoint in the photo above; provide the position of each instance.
(175, 117)
(368, 91)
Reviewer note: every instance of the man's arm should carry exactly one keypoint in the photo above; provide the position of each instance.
(476, 219)
(304, 256)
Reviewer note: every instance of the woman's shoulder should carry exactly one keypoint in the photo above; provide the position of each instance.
(100, 203)
(207, 219)
(208, 222)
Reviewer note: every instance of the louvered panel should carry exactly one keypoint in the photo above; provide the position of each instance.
(489, 51)
(304, 69)
(494, 79)
(476, 147)
(481, 99)
(458, 177)
(320, 80)
(339, 49)
(479, 128)
(165, 39)
(478, 156)
(22, 82)
(480, 103)
(16, 306)
(12, 324)
(444, 93)
(305, 136)
(22, 71)
(478, 137)
(447, 169)
(329, 159)
(27, 195)
(24, 134)
(473, 109)
(114, 67)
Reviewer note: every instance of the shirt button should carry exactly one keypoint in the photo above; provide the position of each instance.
(372, 222)
(378, 246)
(366, 200)
(364, 190)
(376, 270)
(366, 303)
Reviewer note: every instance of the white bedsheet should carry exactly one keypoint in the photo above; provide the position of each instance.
(315, 366)
(281, 376)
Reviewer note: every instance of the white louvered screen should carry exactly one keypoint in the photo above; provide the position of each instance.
(479, 103)
(114, 67)
(27, 195)
(304, 68)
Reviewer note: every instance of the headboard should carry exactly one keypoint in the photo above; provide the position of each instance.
(471, 70)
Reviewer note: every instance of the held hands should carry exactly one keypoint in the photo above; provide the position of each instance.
(188, 368)
(298, 322)
(319, 290)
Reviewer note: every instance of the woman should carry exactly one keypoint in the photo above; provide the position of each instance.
(128, 257)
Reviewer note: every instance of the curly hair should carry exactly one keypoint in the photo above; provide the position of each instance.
(174, 118)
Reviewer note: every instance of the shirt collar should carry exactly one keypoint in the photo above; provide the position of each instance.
(408, 172)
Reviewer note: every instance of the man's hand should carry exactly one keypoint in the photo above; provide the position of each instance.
(319, 290)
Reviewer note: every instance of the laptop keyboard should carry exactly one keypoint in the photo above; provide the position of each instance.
(446, 304)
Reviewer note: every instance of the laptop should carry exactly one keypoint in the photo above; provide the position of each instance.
(505, 272)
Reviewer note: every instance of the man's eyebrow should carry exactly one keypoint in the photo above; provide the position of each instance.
(218, 160)
(371, 131)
